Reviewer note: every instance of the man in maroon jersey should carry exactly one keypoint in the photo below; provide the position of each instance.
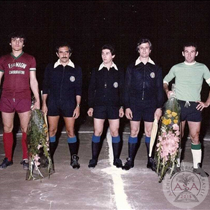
(19, 70)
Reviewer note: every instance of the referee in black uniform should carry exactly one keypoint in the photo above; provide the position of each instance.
(62, 89)
(105, 99)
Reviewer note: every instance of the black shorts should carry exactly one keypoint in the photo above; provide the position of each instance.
(106, 112)
(143, 111)
(189, 111)
(63, 108)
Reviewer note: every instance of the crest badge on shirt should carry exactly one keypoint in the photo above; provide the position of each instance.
(115, 84)
(152, 75)
(72, 78)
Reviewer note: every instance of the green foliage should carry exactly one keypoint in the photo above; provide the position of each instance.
(38, 144)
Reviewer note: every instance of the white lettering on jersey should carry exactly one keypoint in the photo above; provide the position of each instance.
(17, 64)
(16, 72)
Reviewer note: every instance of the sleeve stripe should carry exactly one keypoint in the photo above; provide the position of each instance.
(32, 69)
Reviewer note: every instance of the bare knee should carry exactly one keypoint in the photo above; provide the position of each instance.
(114, 132)
(23, 129)
(98, 132)
(53, 131)
(70, 133)
(134, 132)
(8, 129)
(195, 137)
(147, 132)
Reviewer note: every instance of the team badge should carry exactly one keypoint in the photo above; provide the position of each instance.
(115, 84)
(72, 78)
(152, 75)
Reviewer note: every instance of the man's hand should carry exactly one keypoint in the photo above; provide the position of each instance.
(36, 105)
(90, 112)
(201, 105)
(44, 109)
(128, 113)
(121, 112)
(158, 113)
(76, 112)
(169, 93)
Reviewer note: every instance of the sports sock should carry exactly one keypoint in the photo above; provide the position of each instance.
(8, 143)
(196, 153)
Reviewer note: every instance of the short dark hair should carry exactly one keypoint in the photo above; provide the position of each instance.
(143, 40)
(109, 47)
(64, 44)
(17, 35)
(190, 44)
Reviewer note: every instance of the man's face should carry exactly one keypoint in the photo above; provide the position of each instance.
(17, 43)
(144, 50)
(107, 56)
(189, 54)
(63, 54)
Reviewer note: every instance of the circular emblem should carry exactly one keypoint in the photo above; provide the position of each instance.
(72, 78)
(186, 189)
(115, 84)
(152, 75)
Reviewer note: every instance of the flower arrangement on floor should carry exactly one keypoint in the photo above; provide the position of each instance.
(168, 142)
(40, 163)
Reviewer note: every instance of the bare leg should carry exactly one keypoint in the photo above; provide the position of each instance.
(53, 125)
(24, 120)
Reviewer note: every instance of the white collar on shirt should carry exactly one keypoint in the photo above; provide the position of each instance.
(70, 63)
(113, 65)
(189, 64)
(138, 61)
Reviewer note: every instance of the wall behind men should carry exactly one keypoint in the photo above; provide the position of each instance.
(87, 25)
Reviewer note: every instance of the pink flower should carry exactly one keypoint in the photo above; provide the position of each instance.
(36, 157)
(175, 127)
(39, 146)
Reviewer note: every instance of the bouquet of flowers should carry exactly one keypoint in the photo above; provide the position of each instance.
(168, 143)
(40, 163)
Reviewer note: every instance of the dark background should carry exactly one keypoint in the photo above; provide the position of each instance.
(87, 25)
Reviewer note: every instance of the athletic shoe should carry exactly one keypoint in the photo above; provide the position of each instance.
(128, 165)
(6, 163)
(25, 164)
(151, 164)
(92, 163)
(200, 171)
(74, 162)
(118, 163)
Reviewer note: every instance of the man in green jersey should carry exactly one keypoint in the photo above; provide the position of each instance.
(189, 77)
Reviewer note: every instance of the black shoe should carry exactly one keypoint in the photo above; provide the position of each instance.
(25, 164)
(74, 162)
(200, 171)
(6, 163)
(151, 164)
(92, 163)
(128, 165)
(118, 163)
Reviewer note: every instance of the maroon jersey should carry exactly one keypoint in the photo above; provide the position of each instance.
(16, 75)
